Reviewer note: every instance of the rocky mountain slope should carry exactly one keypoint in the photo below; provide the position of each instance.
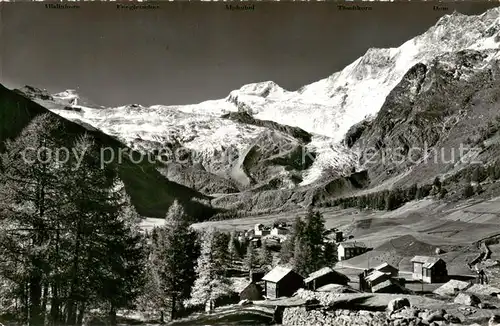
(263, 141)
(151, 193)
(442, 117)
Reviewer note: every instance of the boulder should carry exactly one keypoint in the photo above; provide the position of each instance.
(397, 304)
(405, 313)
(486, 305)
(467, 299)
(451, 287)
(494, 320)
(452, 319)
(433, 315)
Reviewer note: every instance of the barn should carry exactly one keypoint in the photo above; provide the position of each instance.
(324, 276)
(387, 269)
(282, 282)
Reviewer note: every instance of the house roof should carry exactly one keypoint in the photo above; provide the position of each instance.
(276, 274)
(384, 265)
(354, 244)
(389, 285)
(248, 285)
(428, 262)
(375, 275)
(318, 273)
(324, 271)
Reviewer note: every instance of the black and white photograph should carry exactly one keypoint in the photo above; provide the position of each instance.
(250, 163)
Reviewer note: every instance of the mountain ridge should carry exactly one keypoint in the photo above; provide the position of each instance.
(150, 192)
(228, 134)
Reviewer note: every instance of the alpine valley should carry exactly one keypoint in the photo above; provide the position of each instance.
(266, 149)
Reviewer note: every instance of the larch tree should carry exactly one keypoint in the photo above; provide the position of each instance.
(288, 247)
(30, 199)
(174, 256)
(211, 282)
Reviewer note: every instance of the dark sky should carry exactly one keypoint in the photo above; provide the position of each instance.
(189, 52)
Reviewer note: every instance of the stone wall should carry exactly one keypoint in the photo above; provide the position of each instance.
(299, 316)
(407, 316)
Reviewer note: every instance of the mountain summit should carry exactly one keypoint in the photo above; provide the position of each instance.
(227, 135)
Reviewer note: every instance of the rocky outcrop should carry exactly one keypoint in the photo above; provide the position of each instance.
(397, 304)
(438, 104)
(467, 299)
(244, 117)
(494, 320)
(262, 199)
(451, 287)
(356, 131)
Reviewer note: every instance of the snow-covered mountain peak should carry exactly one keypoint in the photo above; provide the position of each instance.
(69, 96)
(72, 98)
(326, 108)
(262, 89)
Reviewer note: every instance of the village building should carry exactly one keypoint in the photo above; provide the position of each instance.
(376, 277)
(278, 230)
(339, 236)
(363, 285)
(323, 277)
(251, 292)
(429, 269)
(256, 276)
(388, 269)
(381, 279)
(347, 250)
(282, 282)
(256, 242)
(390, 285)
(261, 230)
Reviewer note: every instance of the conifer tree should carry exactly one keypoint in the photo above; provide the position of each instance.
(437, 184)
(309, 248)
(288, 247)
(174, 255)
(30, 199)
(265, 255)
(251, 258)
(211, 282)
(330, 254)
(233, 251)
(302, 259)
(468, 191)
(69, 235)
(103, 246)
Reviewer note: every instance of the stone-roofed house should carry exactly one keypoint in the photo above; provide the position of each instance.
(386, 268)
(390, 285)
(376, 277)
(324, 276)
(429, 269)
(347, 250)
(282, 282)
(278, 230)
(252, 291)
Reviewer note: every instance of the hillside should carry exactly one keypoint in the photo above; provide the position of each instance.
(437, 110)
(151, 193)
